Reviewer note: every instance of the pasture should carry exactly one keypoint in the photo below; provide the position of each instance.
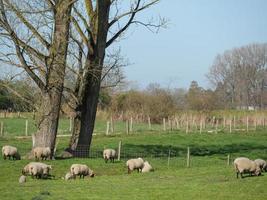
(208, 177)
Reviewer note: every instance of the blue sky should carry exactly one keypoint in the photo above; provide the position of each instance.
(198, 30)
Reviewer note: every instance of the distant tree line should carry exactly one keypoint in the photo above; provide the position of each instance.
(240, 77)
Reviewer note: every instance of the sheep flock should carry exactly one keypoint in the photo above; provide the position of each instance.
(39, 170)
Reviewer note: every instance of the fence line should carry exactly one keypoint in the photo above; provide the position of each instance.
(187, 123)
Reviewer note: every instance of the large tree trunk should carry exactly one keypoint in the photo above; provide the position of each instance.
(49, 111)
(84, 120)
(90, 84)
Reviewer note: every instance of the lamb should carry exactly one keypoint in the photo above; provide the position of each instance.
(69, 176)
(147, 167)
(22, 179)
(133, 164)
(42, 153)
(81, 170)
(10, 151)
(37, 169)
(262, 164)
(244, 165)
(109, 154)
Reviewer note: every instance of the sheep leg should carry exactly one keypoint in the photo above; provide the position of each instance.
(129, 171)
(241, 174)
(4, 157)
(237, 174)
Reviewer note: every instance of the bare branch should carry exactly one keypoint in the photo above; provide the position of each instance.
(31, 28)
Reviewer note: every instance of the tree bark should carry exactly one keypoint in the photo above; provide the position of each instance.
(56, 62)
(90, 84)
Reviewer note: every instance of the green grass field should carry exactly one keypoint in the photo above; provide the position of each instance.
(209, 176)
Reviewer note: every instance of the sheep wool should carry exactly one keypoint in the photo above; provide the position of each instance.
(147, 167)
(22, 179)
(10, 151)
(69, 176)
(81, 170)
(41, 153)
(132, 164)
(262, 164)
(109, 154)
(244, 165)
(36, 169)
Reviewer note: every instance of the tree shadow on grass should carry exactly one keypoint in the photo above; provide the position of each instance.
(130, 150)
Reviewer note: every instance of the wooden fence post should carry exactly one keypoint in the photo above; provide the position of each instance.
(26, 127)
(164, 124)
(188, 157)
(131, 125)
(177, 123)
(2, 128)
(119, 151)
(234, 124)
(247, 123)
(127, 126)
(187, 127)
(107, 130)
(149, 123)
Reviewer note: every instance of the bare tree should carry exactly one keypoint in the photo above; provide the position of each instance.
(35, 35)
(98, 26)
(240, 75)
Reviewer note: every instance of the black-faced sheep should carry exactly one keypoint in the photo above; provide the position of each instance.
(10, 152)
(81, 170)
(244, 165)
(132, 164)
(109, 154)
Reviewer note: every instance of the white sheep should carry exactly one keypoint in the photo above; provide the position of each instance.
(22, 179)
(81, 170)
(10, 151)
(42, 153)
(69, 176)
(262, 164)
(244, 165)
(109, 154)
(132, 164)
(37, 169)
(147, 167)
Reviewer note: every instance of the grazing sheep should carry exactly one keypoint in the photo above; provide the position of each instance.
(81, 170)
(147, 167)
(262, 164)
(109, 154)
(132, 164)
(244, 165)
(22, 179)
(10, 151)
(37, 169)
(42, 153)
(69, 176)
